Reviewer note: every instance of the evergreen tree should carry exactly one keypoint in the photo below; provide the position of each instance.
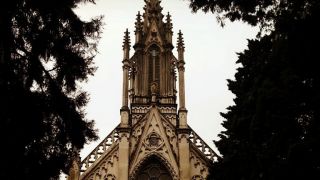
(272, 131)
(45, 52)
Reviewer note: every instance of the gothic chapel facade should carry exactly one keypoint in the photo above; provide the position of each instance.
(153, 140)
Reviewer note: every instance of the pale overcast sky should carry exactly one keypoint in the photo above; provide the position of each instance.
(210, 56)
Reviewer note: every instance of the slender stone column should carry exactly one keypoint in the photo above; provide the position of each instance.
(125, 85)
(180, 66)
(124, 129)
(126, 66)
(125, 89)
(183, 130)
(74, 171)
(184, 154)
(123, 154)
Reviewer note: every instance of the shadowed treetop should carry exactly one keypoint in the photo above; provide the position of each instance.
(266, 13)
(46, 50)
(272, 129)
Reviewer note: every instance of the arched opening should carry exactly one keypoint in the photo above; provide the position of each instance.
(153, 169)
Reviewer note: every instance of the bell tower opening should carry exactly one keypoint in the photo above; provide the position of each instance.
(153, 169)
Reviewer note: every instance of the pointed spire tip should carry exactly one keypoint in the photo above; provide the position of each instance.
(126, 39)
(180, 43)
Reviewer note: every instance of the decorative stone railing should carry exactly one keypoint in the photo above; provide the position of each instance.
(168, 110)
(99, 150)
(140, 109)
(202, 146)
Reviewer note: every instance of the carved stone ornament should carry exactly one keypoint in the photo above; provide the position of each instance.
(199, 168)
(153, 141)
(136, 133)
(109, 177)
(107, 169)
(154, 88)
(171, 137)
(197, 177)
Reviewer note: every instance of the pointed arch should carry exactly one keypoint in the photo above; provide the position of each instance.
(164, 153)
(154, 44)
(153, 166)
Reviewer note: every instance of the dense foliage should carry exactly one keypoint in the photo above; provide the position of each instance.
(265, 13)
(272, 131)
(45, 52)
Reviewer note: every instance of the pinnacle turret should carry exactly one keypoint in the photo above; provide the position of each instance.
(126, 39)
(180, 66)
(126, 45)
(139, 29)
(168, 21)
(138, 23)
(180, 43)
(168, 26)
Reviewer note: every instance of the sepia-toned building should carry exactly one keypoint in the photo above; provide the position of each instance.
(153, 140)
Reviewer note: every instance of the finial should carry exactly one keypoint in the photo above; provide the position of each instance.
(126, 39)
(168, 18)
(180, 44)
(139, 16)
(138, 23)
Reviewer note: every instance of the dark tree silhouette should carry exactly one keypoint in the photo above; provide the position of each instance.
(272, 131)
(45, 52)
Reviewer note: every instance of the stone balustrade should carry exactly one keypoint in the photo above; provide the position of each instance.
(140, 109)
(99, 150)
(202, 146)
(113, 137)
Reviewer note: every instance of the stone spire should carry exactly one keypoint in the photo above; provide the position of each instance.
(169, 28)
(126, 45)
(183, 130)
(126, 66)
(169, 21)
(180, 46)
(152, 12)
(180, 64)
(124, 128)
(139, 28)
